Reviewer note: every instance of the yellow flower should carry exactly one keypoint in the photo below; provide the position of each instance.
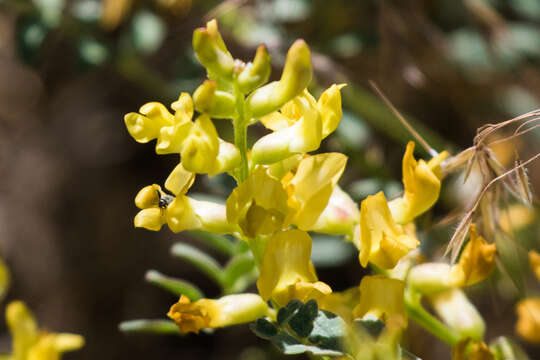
(534, 261)
(198, 143)
(476, 262)
(208, 313)
(528, 323)
(297, 129)
(312, 186)
(379, 239)
(382, 298)
(286, 270)
(422, 183)
(31, 344)
(156, 122)
(258, 205)
(179, 212)
(299, 126)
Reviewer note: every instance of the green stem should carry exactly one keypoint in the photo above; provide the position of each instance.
(417, 313)
(240, 134)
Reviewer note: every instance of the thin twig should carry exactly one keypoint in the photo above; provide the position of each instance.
(413, 132)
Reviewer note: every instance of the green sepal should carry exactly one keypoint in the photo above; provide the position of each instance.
(176, 286)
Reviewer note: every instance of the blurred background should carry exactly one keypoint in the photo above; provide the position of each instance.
(70, 70)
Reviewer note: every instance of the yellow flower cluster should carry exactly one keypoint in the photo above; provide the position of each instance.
(282, 192)
(31, 344)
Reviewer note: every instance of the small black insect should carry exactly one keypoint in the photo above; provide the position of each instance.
(163, 200)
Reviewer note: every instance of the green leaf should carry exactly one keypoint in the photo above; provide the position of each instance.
(201, 260)
(218, 242)
(149, 327)
(286, 312)
(291, 346)
(176, 286)
(304, 328)
(329, 330)
(264, 328)
(236, 268)
(301, 322)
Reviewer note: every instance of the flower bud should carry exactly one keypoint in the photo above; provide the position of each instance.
(294, 79)
(257, 73)
(212, 52)
(453, 307)
(217, 104)
(201, 147)
(429, 278)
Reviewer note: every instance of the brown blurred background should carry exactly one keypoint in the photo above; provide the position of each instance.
(70, 70)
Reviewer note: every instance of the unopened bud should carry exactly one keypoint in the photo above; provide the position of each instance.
(456, 311)
(211, 50)
(257, 73)
(209, 100)
(294, 79)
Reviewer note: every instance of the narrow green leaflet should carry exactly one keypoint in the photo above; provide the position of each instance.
(176, 286)
(217, 242)
(150, 327)
(237, 268)
(201, 260)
